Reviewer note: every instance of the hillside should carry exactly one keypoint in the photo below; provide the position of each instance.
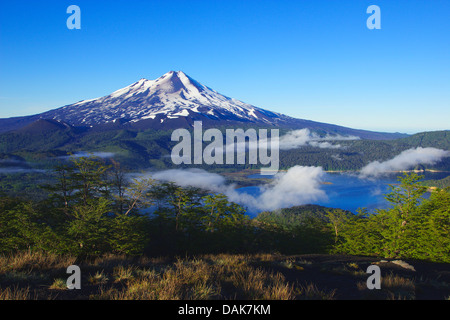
(441, 183)
(44, 142)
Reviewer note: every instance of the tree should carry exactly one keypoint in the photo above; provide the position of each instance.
(23, 226)
(88, 230)
(118, 186)
(414, 227)
(88, 179)
(432, 229)
(61, 192)
(139, 195)
(337, 220)
(220, 213)
(178, 203)
(397, 230)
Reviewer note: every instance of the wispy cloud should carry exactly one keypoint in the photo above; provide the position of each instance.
(292, 140)
(304, 137)
(299, 185)
(404, 161)
(15, 170)
(11, 161)
(191, 177)
(80, 154)
(13, 166)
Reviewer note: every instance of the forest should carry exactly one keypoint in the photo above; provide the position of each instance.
(94, 209)
(42, 147)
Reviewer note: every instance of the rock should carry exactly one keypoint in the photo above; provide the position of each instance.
(403, 264)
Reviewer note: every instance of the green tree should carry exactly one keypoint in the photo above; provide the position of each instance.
(219, 212)
(180, 204)
(414, 227)
(88, 229)
(88, 179)
(23, 226)
(397, 231)
(431, 228)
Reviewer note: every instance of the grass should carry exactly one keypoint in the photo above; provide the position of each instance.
(16, 293)
(98, 278)
(228, 277)
(311, 292)
(34, 275)
(393, 287)
(31, 260)
(59, 284)
(122, 273)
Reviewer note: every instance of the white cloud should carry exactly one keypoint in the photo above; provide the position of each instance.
(14, 170)
(191, 177)
(80, 154)
(304, 137)
(298, 186)
(406, 160)
(299, 138)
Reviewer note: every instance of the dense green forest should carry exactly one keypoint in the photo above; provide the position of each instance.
(441, 183)
(353, 155)
(93, 209)
(136, 150)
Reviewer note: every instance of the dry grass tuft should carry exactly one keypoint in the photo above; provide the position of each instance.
(311, 292)
(122, 273)
(16, 293)
(98, 278)
(205, 278)
(33, 260)
(393, 287)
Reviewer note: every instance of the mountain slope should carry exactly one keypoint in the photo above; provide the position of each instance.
(172, 96)
(175, 100)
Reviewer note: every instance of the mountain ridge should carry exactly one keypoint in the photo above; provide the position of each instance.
(175, 100)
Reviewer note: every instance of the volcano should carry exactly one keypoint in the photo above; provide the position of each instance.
(174, 100)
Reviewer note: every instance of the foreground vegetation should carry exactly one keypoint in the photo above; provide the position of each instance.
(95, 217)
(42, 276)
(93, 209)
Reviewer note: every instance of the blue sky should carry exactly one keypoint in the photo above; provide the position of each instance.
(312, 59)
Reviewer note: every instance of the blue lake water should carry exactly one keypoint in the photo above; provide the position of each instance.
(348, 192)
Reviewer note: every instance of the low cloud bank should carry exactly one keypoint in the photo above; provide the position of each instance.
(191, 178)
(81, 154)
(301, 138)
(298, 186)
(304, 137)
(15, 170)
(404, 161)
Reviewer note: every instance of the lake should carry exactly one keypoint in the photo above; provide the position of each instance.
(347, 191)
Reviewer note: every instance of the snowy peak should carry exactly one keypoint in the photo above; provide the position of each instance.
(171, 96)
(174, 100)
(175, 82)
(170, 83)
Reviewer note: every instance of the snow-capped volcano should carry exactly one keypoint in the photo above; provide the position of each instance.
(172, 96)
(174, 100)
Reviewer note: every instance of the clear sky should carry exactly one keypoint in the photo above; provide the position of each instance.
(310, 59)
